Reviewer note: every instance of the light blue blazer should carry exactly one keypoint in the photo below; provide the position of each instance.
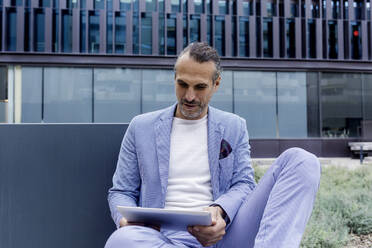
(141, 175)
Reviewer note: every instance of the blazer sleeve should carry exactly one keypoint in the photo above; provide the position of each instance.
(243, 181)
(126, 180)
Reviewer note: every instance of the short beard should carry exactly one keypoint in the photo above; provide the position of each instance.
(192, 115)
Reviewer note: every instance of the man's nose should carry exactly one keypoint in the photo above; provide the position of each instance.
(190, 94)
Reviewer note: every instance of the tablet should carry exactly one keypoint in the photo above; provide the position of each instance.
(166, 218)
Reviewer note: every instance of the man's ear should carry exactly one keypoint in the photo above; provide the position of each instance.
(217, 83)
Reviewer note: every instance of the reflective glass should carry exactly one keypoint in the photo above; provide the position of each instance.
(223, 98)
(291, 38)
(194, 28)
(367, 96)
(39, 45)
(94, 38)
(255, 100)
(120, 32)
(356, 41)
(247, 7)
(313, 116)
(341, 104)
(267, 37)
(311, 38)
(219, 35)
(146, 33)
(199, 6)
(83, 31)
(171, 35)
(109, 5)
(56, 3)
(3, 94)
(83, 4)
(11, 34)
(292, 104)
(28, 31)
(185, 6)
(233, 36)
(67, 95)
(150, 5)
(72, 4)
(222, 7)
(109, 32)
(158, 89)
(125, 4)
(31, 94)
(161, 34)
(117, 95)
(161, 6)
(99, 4)
(244, 37)
(185, 29)
(55, 32)
(332, 40)
(135, 33)
(175, 5)
(67, 31)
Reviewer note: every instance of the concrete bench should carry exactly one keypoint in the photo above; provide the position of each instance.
(361, 148)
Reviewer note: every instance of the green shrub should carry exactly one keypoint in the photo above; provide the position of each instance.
(343, 205)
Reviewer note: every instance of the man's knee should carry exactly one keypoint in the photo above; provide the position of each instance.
(305, 162)
(125, 237)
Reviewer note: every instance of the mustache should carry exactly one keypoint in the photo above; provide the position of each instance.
(193, 102)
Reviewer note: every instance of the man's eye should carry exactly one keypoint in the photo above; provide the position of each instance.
(183, 85)
(200, 87)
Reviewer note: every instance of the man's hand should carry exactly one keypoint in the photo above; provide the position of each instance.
(123, 222)
(210, 235)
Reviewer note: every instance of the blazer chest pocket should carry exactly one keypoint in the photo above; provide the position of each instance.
(226, 170)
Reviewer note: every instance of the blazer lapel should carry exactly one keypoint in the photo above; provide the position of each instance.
(163, 128)
(215, 134)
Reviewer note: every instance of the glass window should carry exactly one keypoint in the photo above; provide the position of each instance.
(222, 7)
(1, 28)
(109, 32)
(120, 32)
(94, 38)
(146, 33)
(324, 8)
(171, 34)
(294, 8)
(358, 8)
(194, 28)
(125, 4)
(109, 5)
(39, 31)
(247, 7)
(117, 95)
(292, 112)
(83, 4)
(55, 3)
(99, 4)
(223, 98)
(243, 36)
(161, 34)
(332, 40)
(67, 31)
(185, 6)
(336, 9)
(135, 33)
(209, 7)
(16, 2)
(291, 38)
(27, 32)
(313, 117)
(3, 94)
(311, 38)
(67, 95)
(356, 46)
(185, 28)
(219, 35)
(158, 89)
(346, 9)
(32, 94)
(341, 104)
(11, 31)
(175, 6)
(55, 32)
(199, 6)
(161, 6)
(255, 100)
(267, 37)
(271, 8)
(209, 30)
(83, 31)
(367, 96)
(150, 5)
(135, 5)
(233, 36)
(72, 4)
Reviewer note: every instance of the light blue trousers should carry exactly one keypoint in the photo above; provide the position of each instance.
(273, 215)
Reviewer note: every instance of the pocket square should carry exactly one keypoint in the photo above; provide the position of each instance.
(225, 149)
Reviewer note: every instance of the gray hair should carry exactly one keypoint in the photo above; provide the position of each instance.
(202, 52)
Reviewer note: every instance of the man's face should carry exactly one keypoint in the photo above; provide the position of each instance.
(194, 87)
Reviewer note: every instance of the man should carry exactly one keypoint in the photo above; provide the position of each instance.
(193, 156)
